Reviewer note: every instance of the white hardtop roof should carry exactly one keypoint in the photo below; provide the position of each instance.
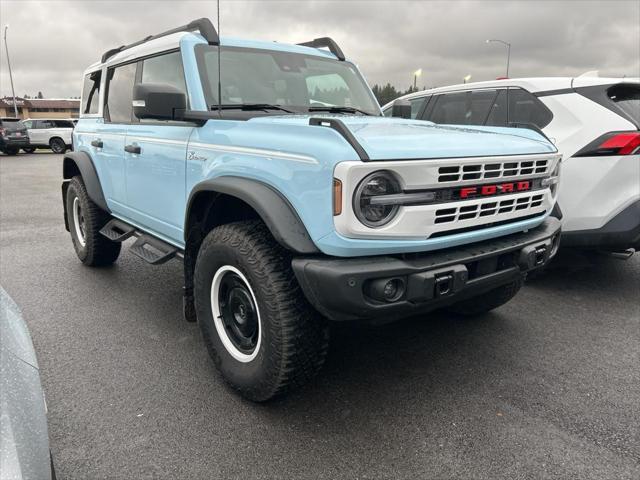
(172, 41)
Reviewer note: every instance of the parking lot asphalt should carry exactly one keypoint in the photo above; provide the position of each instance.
(547, 386)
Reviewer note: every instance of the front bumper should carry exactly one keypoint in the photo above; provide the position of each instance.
(346, 289)
(620, 233)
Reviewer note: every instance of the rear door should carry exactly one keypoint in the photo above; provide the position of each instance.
(109, 136)
(40, 133)
(156, 160)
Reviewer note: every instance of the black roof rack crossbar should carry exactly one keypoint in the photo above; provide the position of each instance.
(203, 25)
(325, 42)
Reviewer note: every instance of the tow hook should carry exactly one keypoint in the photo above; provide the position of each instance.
(540, 255)
(443, 284)
(534, 256)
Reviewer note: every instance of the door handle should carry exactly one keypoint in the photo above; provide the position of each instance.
(97, 143)
(132, 148)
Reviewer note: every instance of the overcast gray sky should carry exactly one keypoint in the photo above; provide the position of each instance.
(51, 42)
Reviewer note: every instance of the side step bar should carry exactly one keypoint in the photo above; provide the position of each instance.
(117, 231)
(152, 250)
(147, 247)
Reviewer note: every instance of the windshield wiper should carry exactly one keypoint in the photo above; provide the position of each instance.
(338, 109)
(250, 107)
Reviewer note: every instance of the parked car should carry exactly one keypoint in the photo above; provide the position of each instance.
(290, 199)
(49, 133)
(24, 441)
(593, 121)
(13, 135)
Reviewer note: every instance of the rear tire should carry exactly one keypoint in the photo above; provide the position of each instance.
(29, 149)
(85, 221)
(57, 145)
(487, 301)
(261, 333)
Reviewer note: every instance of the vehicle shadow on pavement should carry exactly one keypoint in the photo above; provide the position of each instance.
(369, 365)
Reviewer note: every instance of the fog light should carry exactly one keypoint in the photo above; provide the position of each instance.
(387, 289)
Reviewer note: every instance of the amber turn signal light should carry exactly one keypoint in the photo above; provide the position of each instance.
(337, 196)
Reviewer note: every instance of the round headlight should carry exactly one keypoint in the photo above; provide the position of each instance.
(371, 213)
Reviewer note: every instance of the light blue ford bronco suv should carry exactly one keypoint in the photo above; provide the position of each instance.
(269, 171)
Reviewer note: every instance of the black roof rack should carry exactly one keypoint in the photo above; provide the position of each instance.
(203, 25)
(325, 42)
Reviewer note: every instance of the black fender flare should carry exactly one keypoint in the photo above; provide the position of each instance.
(84, 164)
(272, 207)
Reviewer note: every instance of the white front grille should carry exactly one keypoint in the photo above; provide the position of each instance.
(480, 171)
(488, 208)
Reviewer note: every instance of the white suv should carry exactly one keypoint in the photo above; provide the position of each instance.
(595, 124)
(50, 133)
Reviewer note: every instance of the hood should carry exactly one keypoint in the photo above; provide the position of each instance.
(386, 138)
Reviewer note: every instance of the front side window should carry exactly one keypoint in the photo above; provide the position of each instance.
(120, 93)
(294, 81)
(463, 108)
(91, 92)
(42, 124)
(28, 123)
(450, 109)
(165, 69)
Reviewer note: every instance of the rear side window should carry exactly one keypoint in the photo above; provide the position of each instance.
(91, 92)
(627, 98)
(62, 124)
(526, 108)
(165, 69)
(120, 93)
(13, 125)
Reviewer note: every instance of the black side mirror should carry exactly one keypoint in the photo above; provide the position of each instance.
(157, 101)
(401, 108)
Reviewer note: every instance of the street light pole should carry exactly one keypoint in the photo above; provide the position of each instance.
(508, 45)
(416, 74)
(13, 92)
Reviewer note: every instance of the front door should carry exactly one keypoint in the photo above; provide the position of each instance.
(155, 158)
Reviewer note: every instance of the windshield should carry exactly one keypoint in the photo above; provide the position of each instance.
(291, 80)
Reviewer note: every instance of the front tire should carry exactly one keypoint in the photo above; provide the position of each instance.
(57, 145)
(487, 301)
(11, 151)
(261, 333)
(85, 221)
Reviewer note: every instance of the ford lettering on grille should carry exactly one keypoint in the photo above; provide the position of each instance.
(494, 189)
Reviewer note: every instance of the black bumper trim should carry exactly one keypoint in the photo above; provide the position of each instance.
(338, 287)
(619, 233)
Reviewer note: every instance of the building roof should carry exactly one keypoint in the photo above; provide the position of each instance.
(70, 103)
(54, 103)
